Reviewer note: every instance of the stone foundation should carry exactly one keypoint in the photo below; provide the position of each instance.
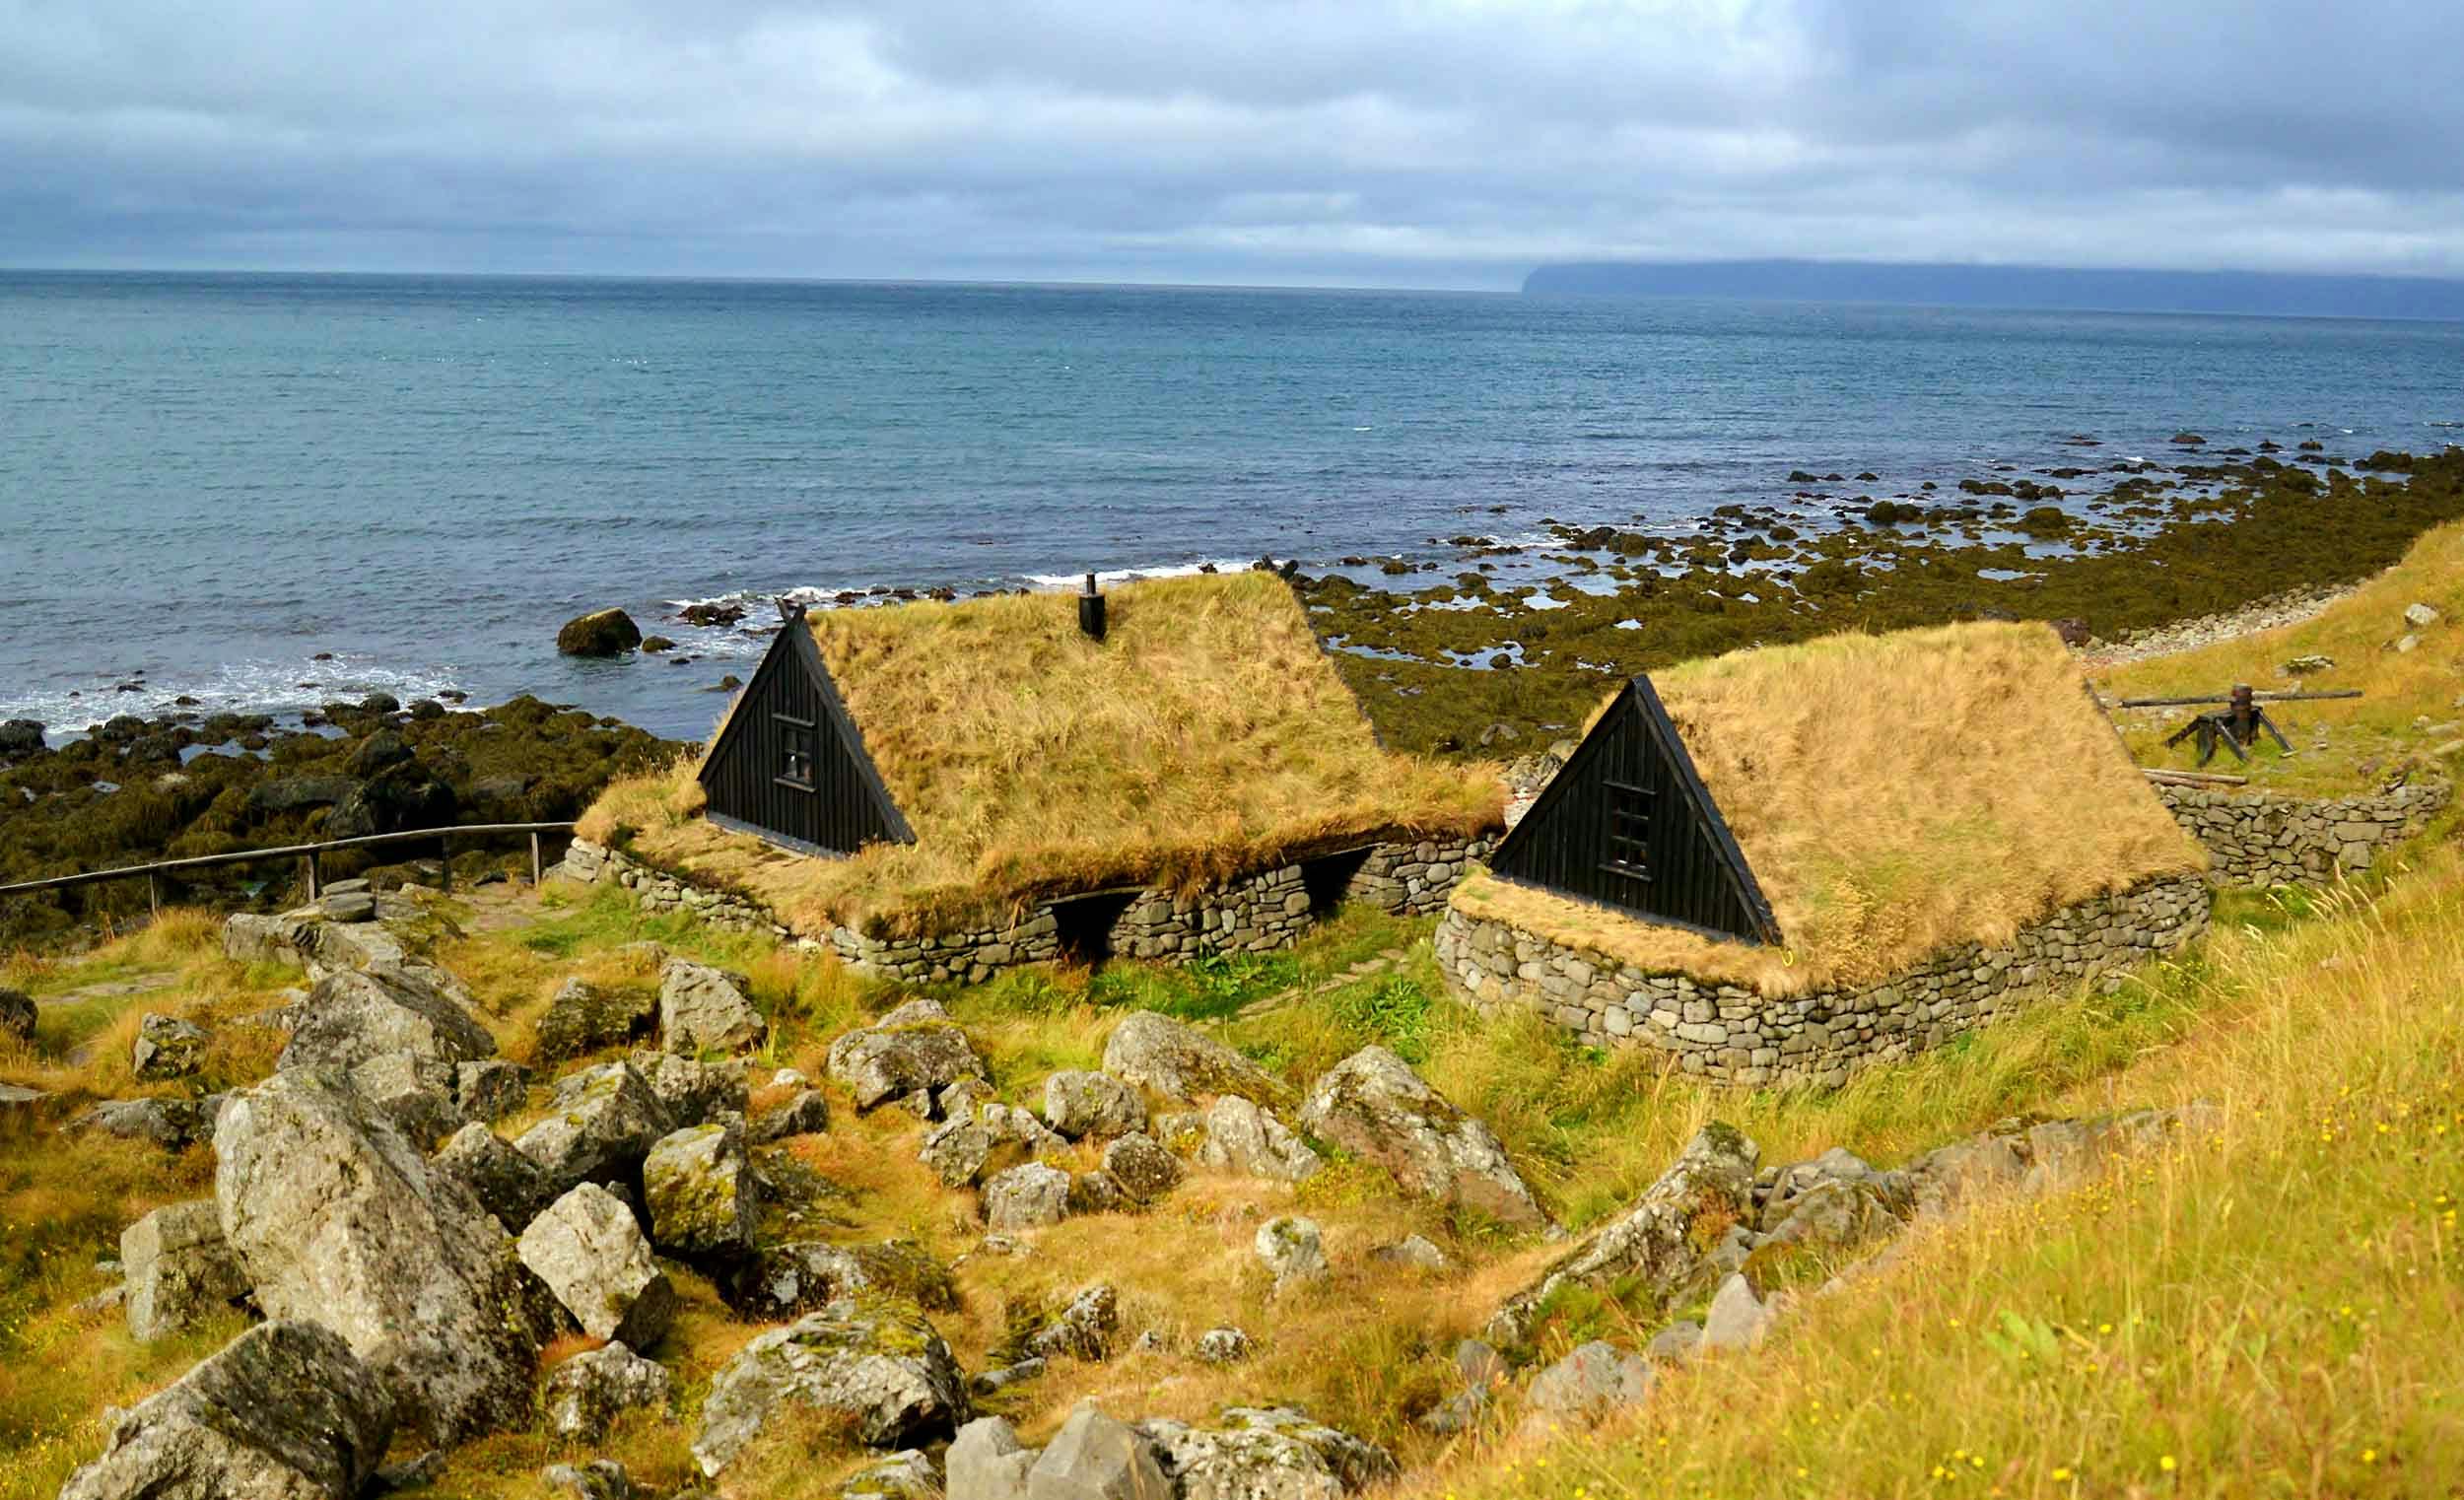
(1255, 914)
(2262, 839)
(1735, 1035)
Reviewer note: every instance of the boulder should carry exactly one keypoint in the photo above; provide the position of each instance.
(167, 1048)
(604, 633)
(1373, 1105)
(1656, 1243)
(17, 1014)
(1679, 1340)
(2420, 615)
(602, 1122)
(908, 1474)
(490, 1088)
(589, 1390)
(807, 1113)
(1223, 1347)
(874, 1361)
(694, 1093)
(1292, 1251)
(1838, 1215)
(401, 797)
(1097, 1191)
(297, 794)
(509, 1184)
(599, 1479)
(784, 1280)
(285, 1411)
(1595, 1381)
(589, 1250)
(1096, 1458)
(1145, 1169)
(914, 1046)
(1414, 1253)
(354, 1014)
(416, 1094)
(21, 736)
(698, 1185)
(1083, 1330)
(179, 1270)
(1156, 1052)
(1737, 1318)
(702, 1009)
(583, 1017)
(957, 1149)
(987, 1461)
(1027, 1196)
(1244, 1138)
(1079, 1104)
(1267, 1453)
(335, 1217)
(173, 1125)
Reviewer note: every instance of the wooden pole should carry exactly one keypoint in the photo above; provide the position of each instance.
(535, 862)
(154, 895)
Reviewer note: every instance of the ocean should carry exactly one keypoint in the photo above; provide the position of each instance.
(266, 492)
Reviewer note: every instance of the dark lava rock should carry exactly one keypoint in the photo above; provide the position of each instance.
(380, 702)
(297, 793)
(607, 633)
(21, 736)
(657, 644)
(712, 614)
(403, 796)
(427, 708)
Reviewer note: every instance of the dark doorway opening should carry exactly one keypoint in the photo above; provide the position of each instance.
(1328, 876)
(1084, 924)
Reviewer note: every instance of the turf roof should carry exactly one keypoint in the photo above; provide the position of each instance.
(1206, 736)
(1894, 795)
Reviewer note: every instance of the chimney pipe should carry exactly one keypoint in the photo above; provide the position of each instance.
(1091, 611)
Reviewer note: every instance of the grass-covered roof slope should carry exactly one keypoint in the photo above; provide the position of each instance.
(1205, 738)
(2408, 721)
(1894, 795)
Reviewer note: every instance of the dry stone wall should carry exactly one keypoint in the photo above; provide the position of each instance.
(1258, 914)
(1735, 1034)
(2262, 839)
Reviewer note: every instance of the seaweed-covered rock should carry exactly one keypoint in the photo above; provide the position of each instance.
(698, 1184)
(602, 633)
(583, 1017)
(1373, 1105)
(1267, 1454)
(1080, 1104)
(336, 1218)
(588, 1392)
(1654, 1243)
(705, 1009)
(589, 1250)
(285, 1411)
(1244, 1139)
(179, 1270)
(602, 1123)
(1156, 1052)
(354, 1014)
(913, 1047)
(875, 1362)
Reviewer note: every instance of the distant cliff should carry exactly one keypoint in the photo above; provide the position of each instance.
(2051, 287)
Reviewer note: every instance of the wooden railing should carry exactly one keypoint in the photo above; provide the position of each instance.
(306, 854)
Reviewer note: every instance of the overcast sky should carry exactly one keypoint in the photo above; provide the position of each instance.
(1455, 143)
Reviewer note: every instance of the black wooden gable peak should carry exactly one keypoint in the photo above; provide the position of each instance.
(1628, 824)
(791, 765)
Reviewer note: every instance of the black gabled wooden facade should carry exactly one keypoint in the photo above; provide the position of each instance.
(791, 765)
(1628, 824)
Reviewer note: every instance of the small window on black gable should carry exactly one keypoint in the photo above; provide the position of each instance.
(796, 750)
(1629, 841)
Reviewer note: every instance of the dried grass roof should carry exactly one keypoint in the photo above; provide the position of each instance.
(1205, 738)
(1894, 795)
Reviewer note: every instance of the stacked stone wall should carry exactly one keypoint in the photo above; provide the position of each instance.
(1737, 1034)
(2264, 839)
(1257, 914)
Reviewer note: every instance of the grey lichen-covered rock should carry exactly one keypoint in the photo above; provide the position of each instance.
(1292, 1251)
(705, 1009)
(957, 1149)
(783, 1280)
(354, 1014)
(1373, 1105)
(285, 1411)
(692, 1092)
(1679, 1340)
(599, 1479)
(987, 1461)
(1145, 1169)
(807, 1113)
(1223, 1347)
(1156, 1052)
(1267, 1453)
(1840, 1214)
(583, 1017)
(334, 1217)
(1244, 1139)
(1415, 1253)
(490, 1088)
(1737, 1318)
(698, 1184)
(508, 1184)
(1080, 1104)
(1652, 1244)
(589, 1390)
(1097, 1191)
(1027, 1196)
(1097, 1458)
(415, 1093)
(908, 1474)
(1596, 1380)
(167, 1046)
(1083, 1330)
(173, 1125)
(179, 1270)
(913, 1047)
(874, 1361)
(602, 1122)
(589, 1250)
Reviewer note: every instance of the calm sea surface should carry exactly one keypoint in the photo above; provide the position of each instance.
(207, 481)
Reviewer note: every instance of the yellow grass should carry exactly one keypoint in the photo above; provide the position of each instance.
(2410, 709)
(1894, 795)
(1206, 737)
